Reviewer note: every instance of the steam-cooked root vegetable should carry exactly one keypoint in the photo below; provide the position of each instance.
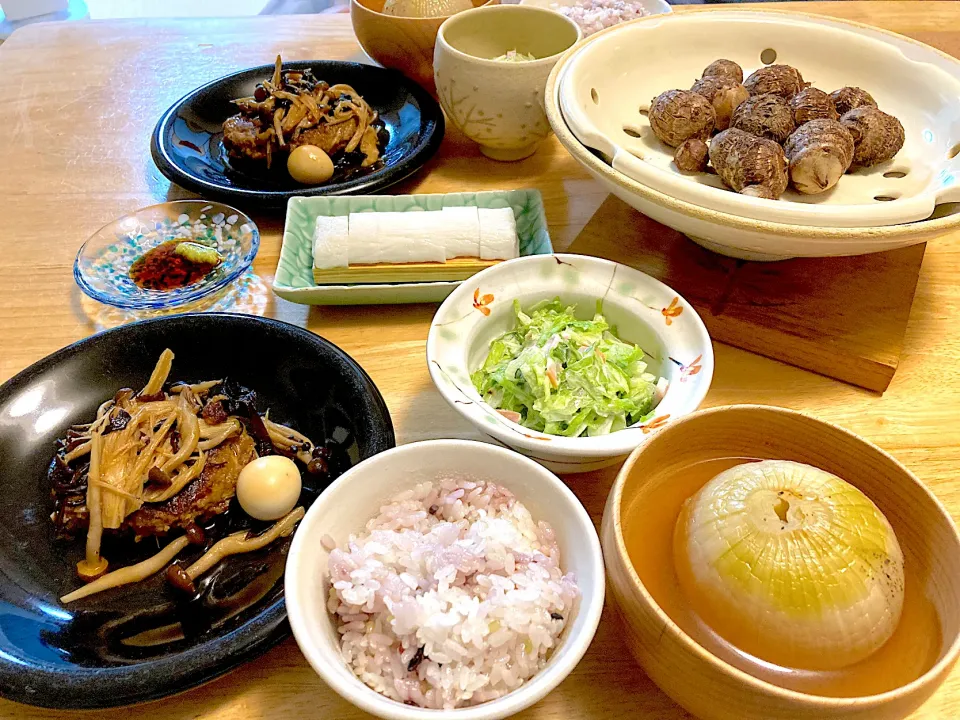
(819, 152)
(692, 155)
(677, 115)
(768, 116)
(812, 104)
(877, 137)
(724, 94)
(781, 80)
(725, 69)
(749, 164)
(848, 98)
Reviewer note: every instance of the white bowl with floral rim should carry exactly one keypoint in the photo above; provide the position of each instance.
(644, 311)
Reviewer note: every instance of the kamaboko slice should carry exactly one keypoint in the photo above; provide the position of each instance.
(790, 564)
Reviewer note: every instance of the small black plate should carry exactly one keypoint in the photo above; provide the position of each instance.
(79, 655)
(187, 147)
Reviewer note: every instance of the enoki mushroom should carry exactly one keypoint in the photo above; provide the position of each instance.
(235, 544)
(148, 447)
(130, 574)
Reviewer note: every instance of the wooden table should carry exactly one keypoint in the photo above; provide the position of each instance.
(77, 104)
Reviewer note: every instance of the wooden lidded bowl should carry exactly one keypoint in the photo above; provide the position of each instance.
(402, 43)
(701, 682)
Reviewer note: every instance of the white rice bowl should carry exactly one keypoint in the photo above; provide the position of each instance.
(595, 15)
(344, 509)
(453, 595)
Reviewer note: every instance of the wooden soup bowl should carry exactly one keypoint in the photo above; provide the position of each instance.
(402, 43)
(695, 678)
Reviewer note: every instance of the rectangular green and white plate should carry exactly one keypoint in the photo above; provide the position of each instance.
(294, 277)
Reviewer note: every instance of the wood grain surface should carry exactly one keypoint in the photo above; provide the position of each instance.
(456, 269)
(842, 317)
(77, 104)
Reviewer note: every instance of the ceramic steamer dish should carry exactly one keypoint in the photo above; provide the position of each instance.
(717, 682)
(344, 509)
(735, 235)
(916, 84)
(644, 311)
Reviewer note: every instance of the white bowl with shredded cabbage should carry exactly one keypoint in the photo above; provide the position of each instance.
(569, 359)
(445, 575)
(595, 15)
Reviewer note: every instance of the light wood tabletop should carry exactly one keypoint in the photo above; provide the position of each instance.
(77, 104)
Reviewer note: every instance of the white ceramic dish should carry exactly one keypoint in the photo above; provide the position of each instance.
(610, 80)
(644, 311)
(734, 235)
(355, 497)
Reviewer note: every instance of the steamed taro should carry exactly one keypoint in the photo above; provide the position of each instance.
(678, 115)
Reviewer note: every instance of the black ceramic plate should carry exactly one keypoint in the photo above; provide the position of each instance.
(187, 146)
(96, 652)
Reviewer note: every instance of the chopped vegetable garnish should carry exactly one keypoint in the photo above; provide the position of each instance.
(564, 376)
(515, 56)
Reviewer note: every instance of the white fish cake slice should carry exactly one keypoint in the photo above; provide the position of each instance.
(330, 242)
(461, 232)
(498, 234)
(396, 237)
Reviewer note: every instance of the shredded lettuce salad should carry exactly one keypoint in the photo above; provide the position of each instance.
(563, 376)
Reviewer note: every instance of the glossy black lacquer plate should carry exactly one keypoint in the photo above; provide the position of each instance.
(120, 647)
(187, 142)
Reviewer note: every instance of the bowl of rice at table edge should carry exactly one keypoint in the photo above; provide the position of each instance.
(446, 574)
(595, 15)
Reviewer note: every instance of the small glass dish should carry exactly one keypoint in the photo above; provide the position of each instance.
(102, 267)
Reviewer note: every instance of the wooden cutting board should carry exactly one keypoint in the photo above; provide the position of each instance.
(840, 317)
